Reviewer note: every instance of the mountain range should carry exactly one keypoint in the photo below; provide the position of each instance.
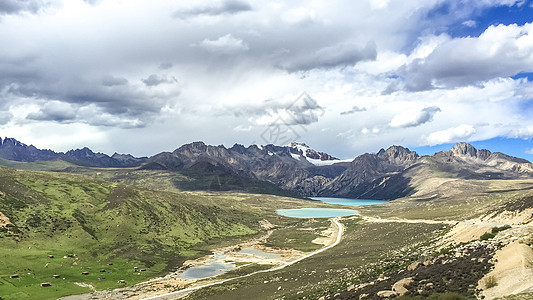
(298, 169)
(12, 149)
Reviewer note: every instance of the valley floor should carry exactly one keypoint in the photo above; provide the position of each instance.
(505, 258)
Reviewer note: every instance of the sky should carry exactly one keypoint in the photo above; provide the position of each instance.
(345, 77)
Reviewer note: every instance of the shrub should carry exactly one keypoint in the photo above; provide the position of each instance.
(486, 236)
(490, 282)
(498, 229)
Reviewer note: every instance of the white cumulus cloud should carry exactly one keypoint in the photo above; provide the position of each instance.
(500, 51)
(461, 132)
(414, 118)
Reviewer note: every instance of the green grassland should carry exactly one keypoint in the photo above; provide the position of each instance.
(298, 235)
(87, 223)
(51, 165)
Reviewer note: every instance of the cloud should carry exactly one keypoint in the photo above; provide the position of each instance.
(367, 131)
(224, 44)
(112, 81)
(450, 135)
(155, 80)
(61, 112)
(227, 7)
(113, 66)
(500, 51)
(379, 4)
(242, 128)
(5, 117)
(341, 55)
(17, 6)
(97, 116)
(54, 111)
(92, 2)
(353, 110)
(470, 23)
(300, 16)
(414, 118)
(165, 66)
(301, 109)
(529, 151)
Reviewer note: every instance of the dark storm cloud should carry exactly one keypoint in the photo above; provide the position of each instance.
(228, 7)
(154, 80)
(19, 6)
(353, 110)
(110, 101)
(54, 111)
(334, 56)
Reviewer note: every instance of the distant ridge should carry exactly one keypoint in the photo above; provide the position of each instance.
(12, 149)
(297, 169)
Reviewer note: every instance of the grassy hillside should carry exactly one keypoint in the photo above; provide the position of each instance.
(202, 177)
(103, 228)
(51, 165)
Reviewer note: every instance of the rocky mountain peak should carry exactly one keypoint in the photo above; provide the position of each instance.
(397, 154)
(84, 152)
(464, 149)
(306, 151)
(194, 147)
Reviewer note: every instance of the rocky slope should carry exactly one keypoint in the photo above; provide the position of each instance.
(374, 176)
(467, 162)
(273, 164)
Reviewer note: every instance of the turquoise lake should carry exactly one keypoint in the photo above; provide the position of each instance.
(316, 212)
(328, 212)
(348, 202)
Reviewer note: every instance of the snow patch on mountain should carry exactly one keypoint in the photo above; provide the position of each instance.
(299, 150)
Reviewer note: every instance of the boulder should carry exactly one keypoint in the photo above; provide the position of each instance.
(400, 287)
(350, 288)
(413, 266)
(386, 294)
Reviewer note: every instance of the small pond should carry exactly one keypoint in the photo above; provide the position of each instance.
(348, 202)
(316, 212)
(207, 270)
(260, 253)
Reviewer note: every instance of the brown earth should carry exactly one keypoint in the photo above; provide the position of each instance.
(513, 272)
(4, 221)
